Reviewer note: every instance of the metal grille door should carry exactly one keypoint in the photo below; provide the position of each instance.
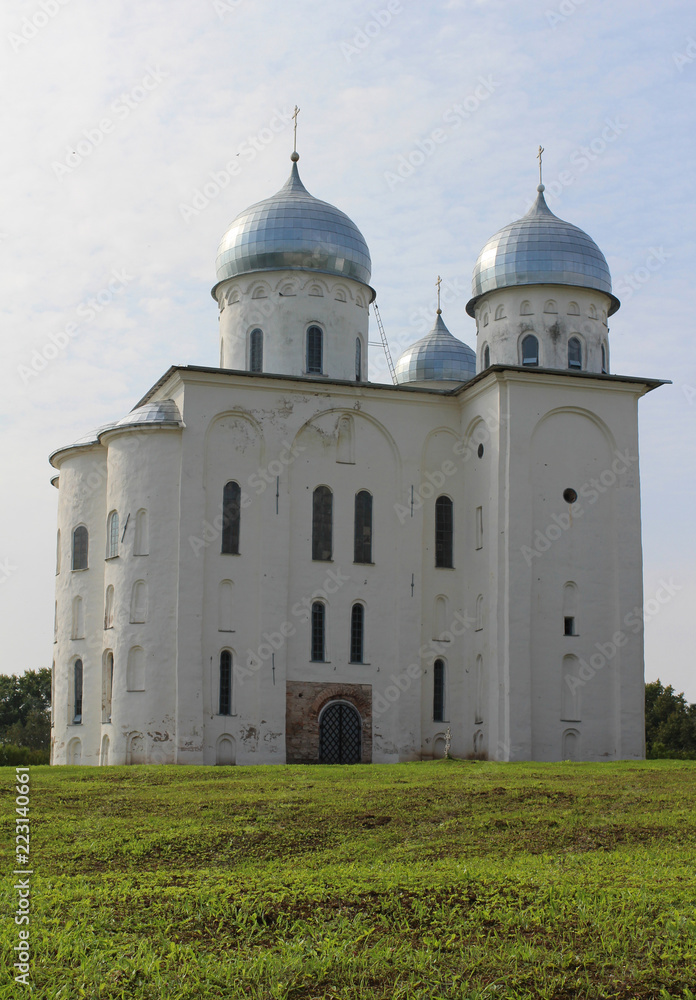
(339, 735)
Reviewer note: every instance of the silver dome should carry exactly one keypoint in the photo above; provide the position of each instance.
(293, 230)
(159, 411)
(437, 357)
(540, 249)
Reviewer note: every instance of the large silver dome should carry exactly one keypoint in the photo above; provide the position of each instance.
(540, 249)
(293, 230)
(436, 357)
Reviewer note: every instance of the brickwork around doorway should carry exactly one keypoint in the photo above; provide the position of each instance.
(304, 702)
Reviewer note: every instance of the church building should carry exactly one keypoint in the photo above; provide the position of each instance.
(275, 560)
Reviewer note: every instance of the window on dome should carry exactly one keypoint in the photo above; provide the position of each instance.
(80, 547)
(318, 632)
(231, 502)
(439, 691)
(112, 535)
(315, 352)
(362, 543)
(357, 630)
(358, 359)
(486, 357)
(605, 369)
(225, 693)
(574, 353)
(256, 350)
(444, 531)
(500, 312)
(530, 350)
(322, 523)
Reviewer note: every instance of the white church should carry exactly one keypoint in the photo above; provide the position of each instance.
(275, 560)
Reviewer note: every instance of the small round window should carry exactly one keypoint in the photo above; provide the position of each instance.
(480, 451)
(569, 495)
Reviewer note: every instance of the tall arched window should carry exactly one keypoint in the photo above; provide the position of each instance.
(256, 350)
(574, 353)
(478, 704)
(318, 632)
(486, 357)
(439, 691)
(315, 350)
(225, 706)
(77, 692)
(78, 619)
(142, 541)
(358, 359)
(362, 544)
(231, 502)
(135, 669)
(530, 350)
(80, 547)
(479, 612)
(107, 685)
(604, 360)
(444, 525)
(138, 608)
(322, 523)
(112, 535)
(357, 633)
(109, 607)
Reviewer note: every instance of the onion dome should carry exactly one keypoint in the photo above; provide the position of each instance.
(437, 357)
(540, 249)
(293, 230)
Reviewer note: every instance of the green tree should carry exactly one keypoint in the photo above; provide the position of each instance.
(670, 722)
(25, 709)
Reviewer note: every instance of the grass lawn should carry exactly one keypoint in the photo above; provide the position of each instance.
(423, 881)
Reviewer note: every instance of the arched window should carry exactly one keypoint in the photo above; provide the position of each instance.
(345, 445)
(574, 353)
(444, 524)
(112, 535)
(77, 692)
(570, 609)
(362, 545)
(322, 523)
(80, 547)
(78, 619)
(526, 309)
(107, 684)
(318, 632)
(358, 359)
(58, 548)
(530, 350)
(439, 691)
(485, 319)
(605, 369)
(550, 306)
(142, 541)
(138, 609)
(478, 706)
(135, 669)
(315, 350)
(357, 633)
(593, 312)
(486, 357)
(479, 613)
(573, 309)
(256, 350)
(225, 707)
(109, 607)
(231, 502)
(500, 312)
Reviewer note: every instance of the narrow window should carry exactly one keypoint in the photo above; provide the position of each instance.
(345, 445)
(358, 359)
(77, 691)
(362, 547)
(570, 609)
(55, 623)
(439, 691)
(574, 353)
(486, 357)
(604, 360)
(142, 541)
(80, 548)
(318, 631)
(135, 669)
(112, 535)
(78, 619)
(530, 350)
(58, 548)
(109, 607)
(568, 625)
(478, 705)
(256, 351)
(357, 632)
(322, 523)
(107, 685)
(444, 523)
(231, 499)
(138, 610)
(479, 527)
(479, 613)
(225, 682)
(315, 339)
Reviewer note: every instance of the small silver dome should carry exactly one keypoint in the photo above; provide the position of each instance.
(159, 411)
(293, 230)
(540, 249)
(437, 357)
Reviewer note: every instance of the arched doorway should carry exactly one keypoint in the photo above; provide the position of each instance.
(340, 735)
(224, 753)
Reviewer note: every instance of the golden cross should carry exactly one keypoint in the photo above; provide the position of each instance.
(296, 113)
(438, 283)
(541, 150)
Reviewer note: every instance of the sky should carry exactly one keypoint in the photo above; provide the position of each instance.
(134, 132)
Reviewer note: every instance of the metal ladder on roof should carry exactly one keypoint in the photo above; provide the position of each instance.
(385, 343)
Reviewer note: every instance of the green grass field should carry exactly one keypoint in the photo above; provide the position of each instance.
(422, 881)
